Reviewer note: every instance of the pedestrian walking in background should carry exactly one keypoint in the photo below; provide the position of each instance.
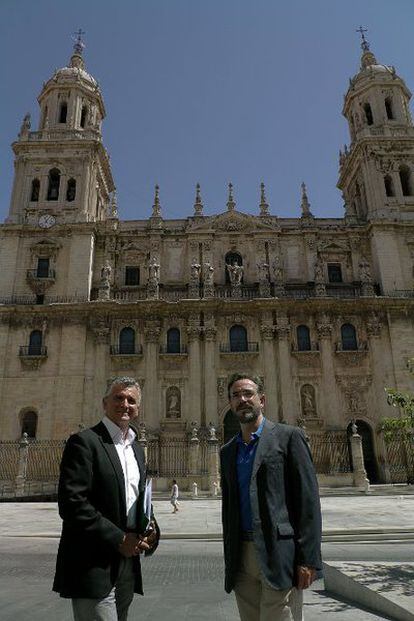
(174, 496)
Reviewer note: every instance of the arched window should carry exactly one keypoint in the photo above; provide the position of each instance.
(71, 190)
(389, 186)
(229, 259)
(34, 196)
(173, 341)
(303, 336)
(84, 116)
(29, 424)
(127, 341)
(238, 338)
(405, 178)
(35, 343)
(388, 108)
(54, 183)
(348, 337)
(63, 112)
(368, 114)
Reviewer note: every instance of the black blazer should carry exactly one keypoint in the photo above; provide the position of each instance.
(285, 506)
(92, 504)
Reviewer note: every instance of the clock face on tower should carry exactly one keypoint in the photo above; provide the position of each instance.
(46, 220)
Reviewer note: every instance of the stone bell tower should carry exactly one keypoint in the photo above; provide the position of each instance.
(376, 172)
(62, 170)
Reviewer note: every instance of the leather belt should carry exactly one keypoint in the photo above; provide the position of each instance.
(247, 535)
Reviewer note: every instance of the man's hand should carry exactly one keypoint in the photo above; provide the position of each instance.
(150, 535)
(132, 545)
(304, 576)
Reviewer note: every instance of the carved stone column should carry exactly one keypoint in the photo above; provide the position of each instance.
(151, 335)
(330, 402)
(194, 451)
(210, 400)
(194, 367)
(20, 481)
(374, 327)
(360, 476)
(213, 460)
(285, 379)
(269, 364)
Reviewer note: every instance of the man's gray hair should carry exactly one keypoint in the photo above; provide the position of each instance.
(124, 381)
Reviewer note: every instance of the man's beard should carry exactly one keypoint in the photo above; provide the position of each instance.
(247, 415)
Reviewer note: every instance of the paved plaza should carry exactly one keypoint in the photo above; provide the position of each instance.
(184, 579)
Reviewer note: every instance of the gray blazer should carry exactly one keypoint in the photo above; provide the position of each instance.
(285, 506)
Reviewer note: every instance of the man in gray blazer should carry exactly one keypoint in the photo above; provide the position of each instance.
(271, 511)
(101, 501)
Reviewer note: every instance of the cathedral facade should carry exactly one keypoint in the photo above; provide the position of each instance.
(320, 308)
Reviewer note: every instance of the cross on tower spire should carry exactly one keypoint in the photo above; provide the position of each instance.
(364, 42)
(79, 44)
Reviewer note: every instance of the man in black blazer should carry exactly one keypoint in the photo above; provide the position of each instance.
(101, 500)
(270, 511)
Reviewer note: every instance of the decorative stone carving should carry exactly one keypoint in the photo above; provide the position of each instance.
(354, 388)
(283, 327)
(324, 326)
(374, 325)
(221, 387)
(100, 328)
(267, 332)
(152, 331)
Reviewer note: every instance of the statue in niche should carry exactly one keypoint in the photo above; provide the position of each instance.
(106, 272)
(173, 402)
(308, 401)
(235, 273)
(278, 269)
(364, 271)
(154, 271)
(208, 273)
(353, 402)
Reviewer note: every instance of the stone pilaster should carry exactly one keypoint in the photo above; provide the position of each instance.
(151, 335)
(272, 405)
(211, 404)
(330, 402)
(285, 379)
(194, 367)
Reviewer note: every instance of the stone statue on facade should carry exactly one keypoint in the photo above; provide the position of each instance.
(235, 272)
(263, 269)
(105, 284)
(208, 273)
(195, 271)
(364, 271)
(308, 401)
(154, 271)
(278, 269)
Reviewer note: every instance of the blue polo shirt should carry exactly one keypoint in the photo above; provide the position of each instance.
(245, 459)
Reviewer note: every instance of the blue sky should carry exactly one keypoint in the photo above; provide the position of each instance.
(207, 91)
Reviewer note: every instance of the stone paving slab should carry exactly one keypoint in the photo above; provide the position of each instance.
(385, 586)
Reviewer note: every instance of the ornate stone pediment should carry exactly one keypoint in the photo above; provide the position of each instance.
(333, 247)
(45, 248)
(234, 221)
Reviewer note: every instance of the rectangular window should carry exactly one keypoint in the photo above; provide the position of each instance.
(131, 276)
(42, 268)
(334, 272)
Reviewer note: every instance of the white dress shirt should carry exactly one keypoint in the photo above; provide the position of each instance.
(129, 467)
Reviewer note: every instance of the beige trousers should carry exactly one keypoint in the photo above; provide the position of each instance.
(256, 600)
